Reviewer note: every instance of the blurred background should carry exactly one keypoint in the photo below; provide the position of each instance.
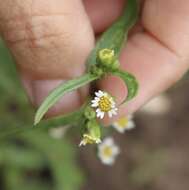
(153, 156)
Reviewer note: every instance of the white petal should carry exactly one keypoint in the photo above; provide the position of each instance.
(94, 105)
(102, 115)
(93, 101)
(82, 143)
(118, 127)
(108, 141)
(99, 93)
(130, 125)
(96, 98)
(98, 111)
(98, 114)
(108, 161)
(115, 150)
(112, 112)
(113, 105)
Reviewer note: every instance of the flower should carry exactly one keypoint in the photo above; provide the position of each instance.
(108, 151)
(92, 133)
(87, 139)
(123, 124)
(104, 103)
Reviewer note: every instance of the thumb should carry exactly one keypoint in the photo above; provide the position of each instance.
(50, 41)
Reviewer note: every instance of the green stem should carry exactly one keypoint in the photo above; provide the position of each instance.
(68, 119)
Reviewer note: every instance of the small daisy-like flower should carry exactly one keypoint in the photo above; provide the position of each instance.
(108, 151)
(104, 103)
(88, 139)
(123, 124)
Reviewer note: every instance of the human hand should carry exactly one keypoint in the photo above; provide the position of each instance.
(51, 40)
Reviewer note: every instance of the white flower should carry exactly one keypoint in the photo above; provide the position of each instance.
(88, 139)
(123, 124)
(108, 151)
(104, 103)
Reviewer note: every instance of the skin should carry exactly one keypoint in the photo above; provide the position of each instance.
(50, 41)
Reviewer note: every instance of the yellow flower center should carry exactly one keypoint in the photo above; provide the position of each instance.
(105, 104)
(123, 122)
(107, 151)
(106, 56)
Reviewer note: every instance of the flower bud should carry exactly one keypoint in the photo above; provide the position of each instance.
(89, 113)
(92, 134)
(107, 58)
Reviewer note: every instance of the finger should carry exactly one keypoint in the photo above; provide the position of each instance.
(38, 89)
(49, 40)
(158, 57)
(103, 13)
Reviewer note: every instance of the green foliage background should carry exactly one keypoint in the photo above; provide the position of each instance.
(30, 160)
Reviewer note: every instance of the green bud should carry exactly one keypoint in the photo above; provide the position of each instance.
(94, 129)
(89, 113)
(107, 58)
(93, 134)
(115, 65)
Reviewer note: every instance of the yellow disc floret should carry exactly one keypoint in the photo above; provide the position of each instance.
(106, 56)
(105, 104)
(107, 151)
(122, 122)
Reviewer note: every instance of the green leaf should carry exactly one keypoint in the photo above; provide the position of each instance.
(116, 35)
(131, 83)
(67, 119)
(61, 156)
(60, 91)
(13, 155)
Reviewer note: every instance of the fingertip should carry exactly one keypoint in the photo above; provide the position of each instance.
(115, 87)
(103, 13)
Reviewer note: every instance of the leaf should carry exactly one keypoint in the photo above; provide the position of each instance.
(60, 91)
(67, 119)
(61, 156)
(131, 83)
(13, 155)
(115, 36)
